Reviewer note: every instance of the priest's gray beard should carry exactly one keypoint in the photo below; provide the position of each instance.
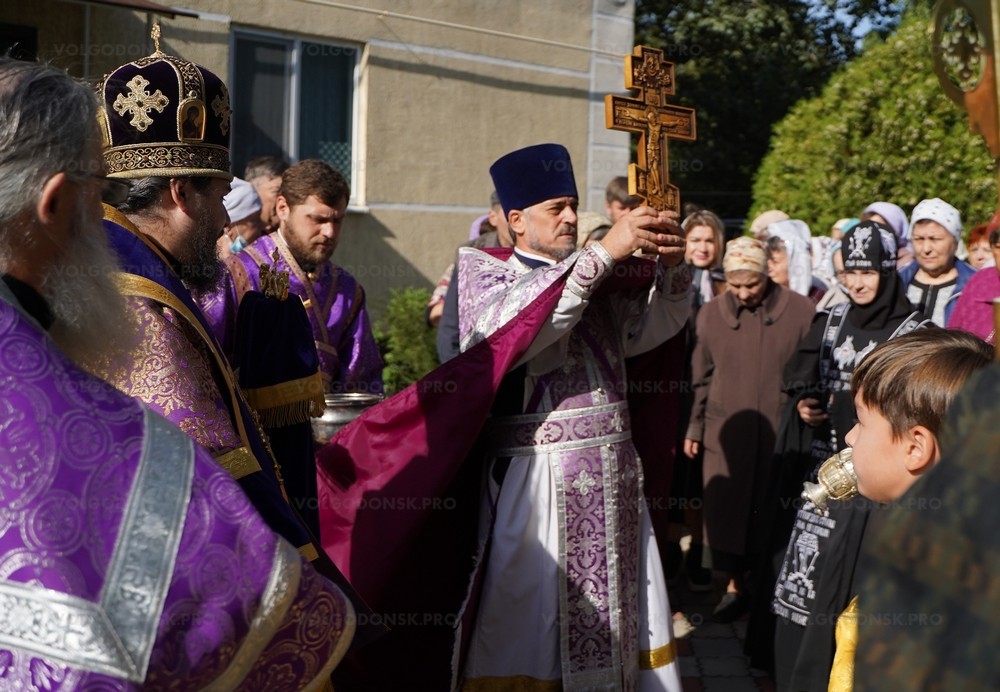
(92, 325)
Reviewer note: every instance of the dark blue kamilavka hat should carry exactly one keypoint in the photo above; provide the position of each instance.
(534, 174)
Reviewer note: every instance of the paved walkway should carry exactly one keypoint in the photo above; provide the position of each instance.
(711, 654)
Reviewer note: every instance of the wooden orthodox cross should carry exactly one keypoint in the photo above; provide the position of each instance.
(655, 120)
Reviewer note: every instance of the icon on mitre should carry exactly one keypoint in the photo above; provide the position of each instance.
(191, 120)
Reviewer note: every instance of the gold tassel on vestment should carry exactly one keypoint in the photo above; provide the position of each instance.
(288, 403)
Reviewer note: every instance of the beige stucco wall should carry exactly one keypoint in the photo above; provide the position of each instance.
(438, 104)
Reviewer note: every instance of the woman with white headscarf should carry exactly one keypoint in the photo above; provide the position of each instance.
(788, 260)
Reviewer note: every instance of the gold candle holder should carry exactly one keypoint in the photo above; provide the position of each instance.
(836, 480)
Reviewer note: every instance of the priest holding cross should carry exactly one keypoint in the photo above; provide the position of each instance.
(569, 592)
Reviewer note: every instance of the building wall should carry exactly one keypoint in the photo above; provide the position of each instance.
(438, 104)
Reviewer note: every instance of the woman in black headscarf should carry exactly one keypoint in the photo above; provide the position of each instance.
(817, 553)
(819, 375)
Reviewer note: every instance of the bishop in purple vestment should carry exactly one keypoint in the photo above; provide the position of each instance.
(164, 233)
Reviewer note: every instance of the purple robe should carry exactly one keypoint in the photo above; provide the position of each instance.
(334, 300)
(178, 370)
(412, 459)
(128, 558)
(572, 591)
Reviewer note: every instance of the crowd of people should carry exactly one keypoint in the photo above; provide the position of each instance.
(780, 321)
(169, 521)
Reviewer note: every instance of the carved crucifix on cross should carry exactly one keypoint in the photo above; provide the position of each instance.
(655, 120)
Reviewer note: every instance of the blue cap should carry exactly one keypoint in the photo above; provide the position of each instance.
(534, 174)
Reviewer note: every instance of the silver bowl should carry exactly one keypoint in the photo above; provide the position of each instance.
(340, 410)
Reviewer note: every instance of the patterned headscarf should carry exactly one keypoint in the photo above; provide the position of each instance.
(831, 267)
(869, 245)
(745, 254)
(872, 246)
(822, 251)
(940, 211)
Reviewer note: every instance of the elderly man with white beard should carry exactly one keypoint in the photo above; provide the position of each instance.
(112, 519)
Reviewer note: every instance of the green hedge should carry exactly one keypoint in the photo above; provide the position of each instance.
(882, 129)
(407, 343)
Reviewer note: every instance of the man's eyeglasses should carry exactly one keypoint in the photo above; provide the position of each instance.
(113, 191)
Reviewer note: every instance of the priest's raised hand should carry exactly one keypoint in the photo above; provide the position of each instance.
(649, 231)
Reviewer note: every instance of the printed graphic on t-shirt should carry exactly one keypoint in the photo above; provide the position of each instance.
(795, 590)
(844, 354)
(848, 357)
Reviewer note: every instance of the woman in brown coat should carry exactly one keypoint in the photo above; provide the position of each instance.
(745, 336)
